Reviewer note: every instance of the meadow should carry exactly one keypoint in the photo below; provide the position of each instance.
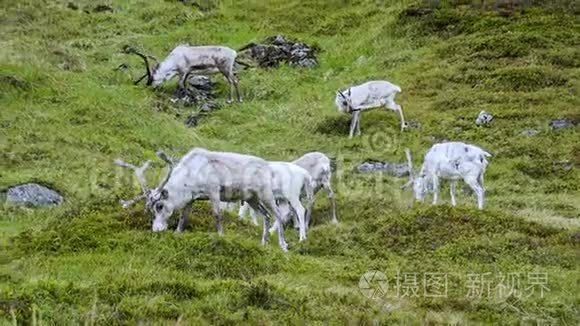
(66, 114)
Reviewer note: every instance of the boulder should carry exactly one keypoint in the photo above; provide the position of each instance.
(411, 124)
(394, 169)
(32, 194)
(278, 49)
(199, 91)
(562, 124)
(484, 118)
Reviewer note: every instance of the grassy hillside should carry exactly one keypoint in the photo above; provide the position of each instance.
(66, 114)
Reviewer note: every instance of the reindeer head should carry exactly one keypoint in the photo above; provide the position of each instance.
(344, 101)
(157, 200)
(149, 72)
(419, 182)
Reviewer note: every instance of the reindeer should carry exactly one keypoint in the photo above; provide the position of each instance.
(290, 181)
(185, 59)
(213, 176)
(365, 97)
(451, 161)
(318, 167)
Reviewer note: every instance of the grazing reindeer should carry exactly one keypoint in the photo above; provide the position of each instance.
(213, 176)
(451, 161)
(185, 60)
(290, 181)
(318, 167)
(368, 96)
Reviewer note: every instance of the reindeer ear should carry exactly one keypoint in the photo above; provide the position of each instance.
(164, 194)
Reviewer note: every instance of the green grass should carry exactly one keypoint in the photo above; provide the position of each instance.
(66, 114)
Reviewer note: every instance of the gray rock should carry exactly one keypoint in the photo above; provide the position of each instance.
(278, 40)
(201, 83)
(193, 120)
(397, 169)
(563, 166)
(32, 194)
(279, 49)
(562, 124)
(199, 91)
(529, 132)
(307, 63)
(365, 168)
(184, 99)
(205, 109)
(484, 118)
(209, 106)
(411, 124)
(394, 169)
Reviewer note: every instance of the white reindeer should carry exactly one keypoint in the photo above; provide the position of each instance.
(185, 59)
(213, 176)
(368, 96)
(290, 181)
(318, 166)
(451, 161)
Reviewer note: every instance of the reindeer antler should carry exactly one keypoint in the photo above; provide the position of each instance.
(131, 202)
(171, 162)
(140, 173)
(168, 159)
(132, 50)
(153, 58)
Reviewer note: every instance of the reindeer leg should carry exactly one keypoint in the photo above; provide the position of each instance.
(227, 76)
(236, 86)
(358, 125)
(477, 189)
(452, 186)
(270, 204)
(243, 211)
(403, 124)
(299, 209)
(283, 211)
(256, 207)
(435, 181)
(232, 91)
(182, 86)
(183, 221)
(331, 196)
(353, 122)
(215, 203)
